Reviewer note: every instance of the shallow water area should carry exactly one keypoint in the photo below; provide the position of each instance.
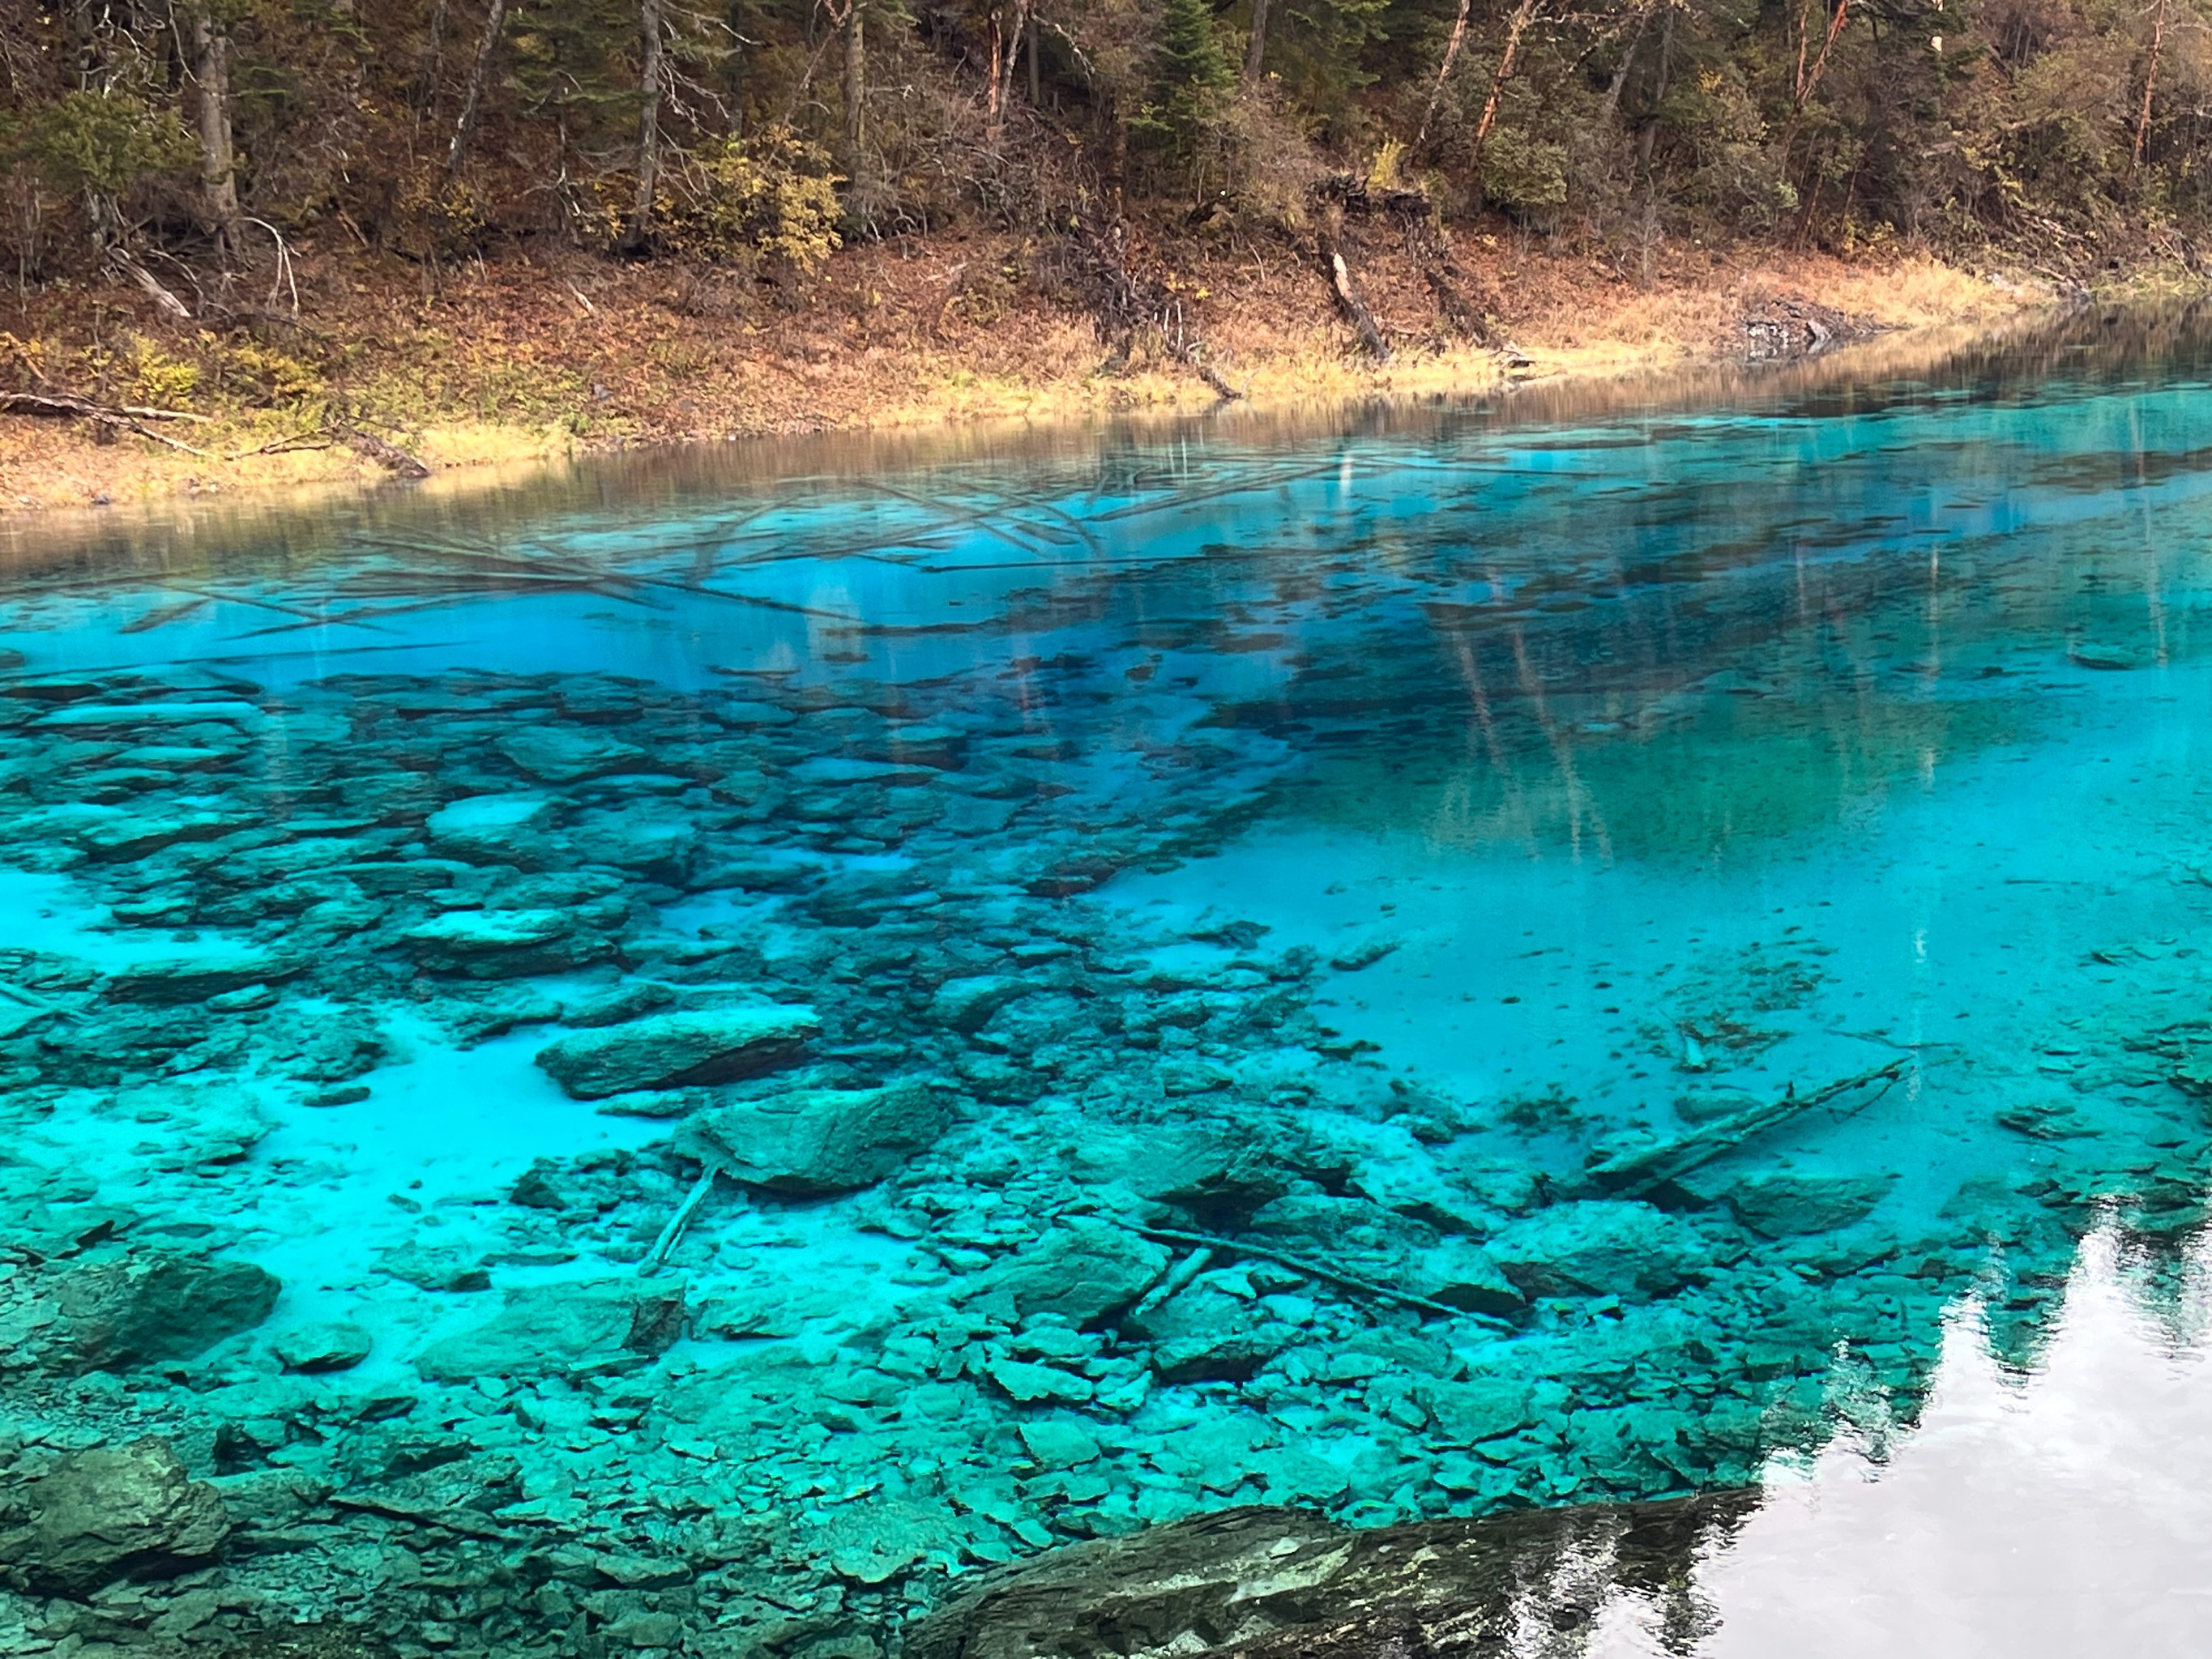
(699, 1060)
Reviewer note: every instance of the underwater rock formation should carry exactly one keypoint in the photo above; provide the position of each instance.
(110, 1512)
(816, 1141)
(671, 1051)
(152, 1305)
(959, 1178)
(1273, 1584)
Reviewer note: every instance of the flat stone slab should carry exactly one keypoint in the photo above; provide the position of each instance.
(675, 1051)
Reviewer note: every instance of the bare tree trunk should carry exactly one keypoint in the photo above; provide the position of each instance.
(433, 61)
(856, 76)
(1037, 88)
(495, 23)
(1628, 61)
(648, 121)
(1003, 50)
(2150, 86)
(1458, 39)
(218, 161)
(1645, 138)
(1521, 13)
(733, 67)
(1809, 78)
(1255, 50)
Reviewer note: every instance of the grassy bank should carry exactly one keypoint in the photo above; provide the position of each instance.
(521, 359)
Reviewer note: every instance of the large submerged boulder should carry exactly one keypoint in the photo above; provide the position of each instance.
(675, 1051)
(1284, 1583)
(816, 1140)
(208, 969)
(155, 1305)
(504, 944)
(1783, 1204)
(1082, 1269)
(571, 1325)
(1600, 1247)
(495, 828)
(113, 1512)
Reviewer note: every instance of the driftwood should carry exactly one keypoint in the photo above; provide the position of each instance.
(673, 1233)
(1347, 298)
(1174, 1279)
(1415, 215)
(389, 456)
(1300, 1264)
(1631, 1175)
(115, 417)
(133, 417)
(62, 407)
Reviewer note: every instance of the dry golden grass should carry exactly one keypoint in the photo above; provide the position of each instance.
(517, 363)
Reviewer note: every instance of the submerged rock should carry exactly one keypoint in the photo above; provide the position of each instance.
(1484, 1408)
(1081, 1270)
(560, 754)
(504, 944)
(967, 1004)
(335, 1345)
(208, 970)
(159, 1304)
(1781, 1205)
(673, 1051)
(1206, 1332)
(113, 1512)
(576, 1324)
(817, 1140)
(494, 828)
(1600, 1247)
(1283, 1583)
(1461, 1273)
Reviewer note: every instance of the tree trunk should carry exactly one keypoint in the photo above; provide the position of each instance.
(648, 121)
(1809, 79)
(856, 76)
(432, 63)
(733, 68)
(1003, 50)
(1521, 13)
(1650, 134)
(1628, 61)
(1458, 39)
(1037, 88)
(2150, 86)
(1255, 50)
(464, 124)
(218, 161)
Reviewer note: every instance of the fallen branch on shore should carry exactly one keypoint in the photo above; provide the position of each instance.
(61, 406)
(1348, 301)
(387, 455)
(133, 417)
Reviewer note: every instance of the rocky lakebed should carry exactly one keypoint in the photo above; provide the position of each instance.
(564, 1161)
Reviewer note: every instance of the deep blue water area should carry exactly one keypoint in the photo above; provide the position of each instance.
(684, 1060)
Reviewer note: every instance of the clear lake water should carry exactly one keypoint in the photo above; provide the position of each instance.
(688, 1057)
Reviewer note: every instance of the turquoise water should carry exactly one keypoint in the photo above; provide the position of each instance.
(694, 1058)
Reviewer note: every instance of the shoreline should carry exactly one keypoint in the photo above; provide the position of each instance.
(490, 378)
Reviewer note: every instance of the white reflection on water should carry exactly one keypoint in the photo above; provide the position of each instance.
(2064, 1513)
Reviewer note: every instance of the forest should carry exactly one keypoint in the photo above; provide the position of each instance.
(172, 142)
